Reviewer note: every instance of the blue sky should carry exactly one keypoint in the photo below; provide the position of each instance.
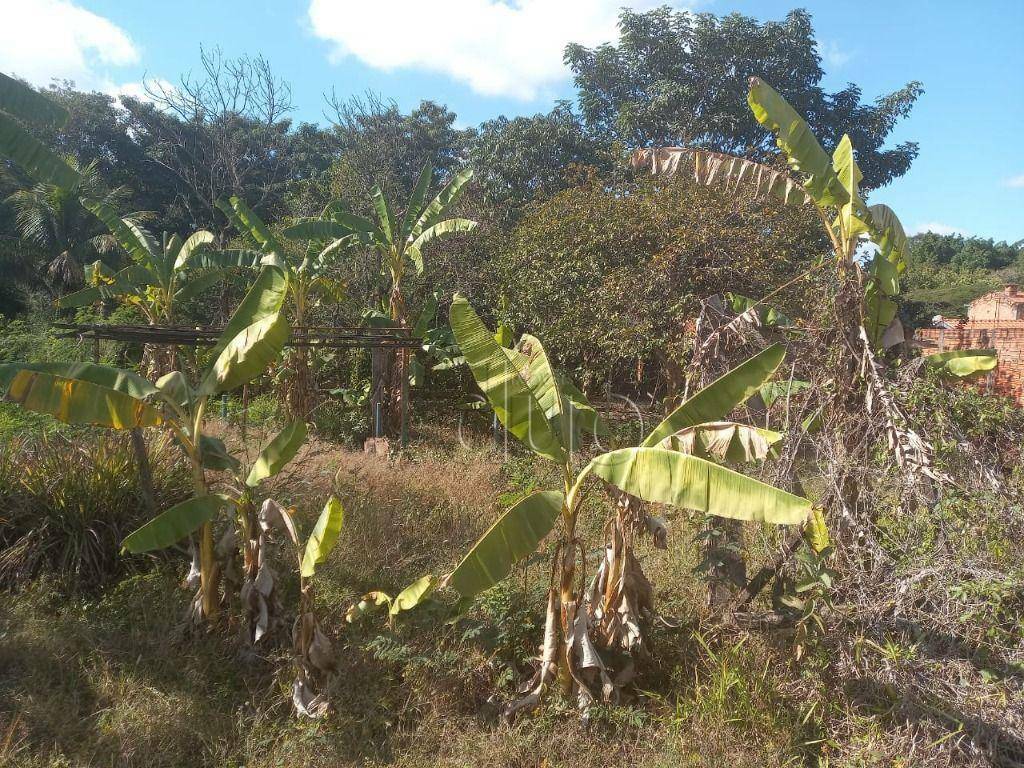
(483, 58)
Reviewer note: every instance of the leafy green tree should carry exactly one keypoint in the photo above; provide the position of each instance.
(680, 78)
(635, 259)
(526, 159)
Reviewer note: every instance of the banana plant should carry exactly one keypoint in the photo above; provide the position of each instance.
(86, 393)
(829, 184)
(314, 656)
(307, 254)
(399, 242)
(867, 318)
(547, 413)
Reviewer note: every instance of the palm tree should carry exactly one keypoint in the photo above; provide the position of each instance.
(51, 218)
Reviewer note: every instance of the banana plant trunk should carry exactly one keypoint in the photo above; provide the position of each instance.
(398, 367)
(208, 570)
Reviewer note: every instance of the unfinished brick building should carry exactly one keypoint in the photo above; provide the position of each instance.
(994, 321)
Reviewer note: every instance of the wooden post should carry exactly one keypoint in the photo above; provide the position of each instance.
(405, 402)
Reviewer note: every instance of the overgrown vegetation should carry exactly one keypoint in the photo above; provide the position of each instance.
(811, 558)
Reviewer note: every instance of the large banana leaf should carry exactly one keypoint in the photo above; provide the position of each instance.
(277, 453)
(385, 218)
(419, 194)
(668, 477)
(502, 382)
(29, 105)
(445, 199)
(718, 399)
(33, 157)
(852, 213)
(247, 258)
(130, 280)
(795, 139)
(315, 229)
(196, 285)
(324, 536)
(515, 535)
(129, 236)
(442, 228)
(247, 355)
(174, 524)
(964, 363)
(104, 376)
(196, 242)
(888, 234)
(75, 401)
(256, 321)
(248, 223)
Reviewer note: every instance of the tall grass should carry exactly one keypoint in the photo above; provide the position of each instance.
(68, 500)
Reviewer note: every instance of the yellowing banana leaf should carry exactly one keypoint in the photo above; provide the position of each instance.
(721, 396)
(667, 477)
(174, 524)
(964, 363)
(795, 139)
(75, 401)
(105, 376)
(502, 382)
(277, 453)
(412, 595)
(723, 441)
(515, 535)
(323, 538)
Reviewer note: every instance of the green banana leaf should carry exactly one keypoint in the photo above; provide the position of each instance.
(515, 535)
(76, 401)
(964, 363)
(253, 336)
(213, 454)
(316, 229)
(29, 105)
(795, 139)
(130, 280)
(196, 285)
(277, 453)
(33, 157)
(104, 376)
(139, 243)
(323, 538)
(197, 241)
(419, 194)
(248, 224)
(444, 200)
(667, 477)
(502, 383)
(721, 396)
(772, 391)
(174, 524)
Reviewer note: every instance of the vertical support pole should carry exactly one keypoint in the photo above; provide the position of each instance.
(95, 349)
(224, 406)
(495, 430)
(376, 419)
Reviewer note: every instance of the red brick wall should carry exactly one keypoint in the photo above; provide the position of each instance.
(1005, 336)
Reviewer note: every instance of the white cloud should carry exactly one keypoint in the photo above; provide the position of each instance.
(45, 39)
(1015, 182)
(138, 89)
(938, 228)
(832, 54)
(499, 48)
